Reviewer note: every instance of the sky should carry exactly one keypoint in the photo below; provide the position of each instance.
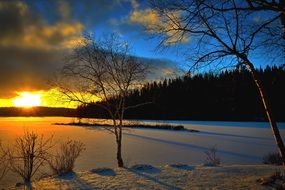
(36, 35)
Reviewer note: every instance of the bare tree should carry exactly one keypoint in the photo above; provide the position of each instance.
(103, 71)
(277, 7)
(223, 34)
(27, 155)
(63, 161)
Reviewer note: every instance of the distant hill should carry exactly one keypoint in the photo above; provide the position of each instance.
(37, 111)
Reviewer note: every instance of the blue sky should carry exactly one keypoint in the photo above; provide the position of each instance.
(106, 17)
(36, 34)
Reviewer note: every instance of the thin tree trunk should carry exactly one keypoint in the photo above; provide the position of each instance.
(119, 153)
(28, 184)
(118, 134)
(119, 139)
(122, 112)
(272, 121)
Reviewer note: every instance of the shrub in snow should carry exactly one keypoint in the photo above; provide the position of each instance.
(27, 156)
(63, 161)
(3, 162)
(211, 157)
(273, 158)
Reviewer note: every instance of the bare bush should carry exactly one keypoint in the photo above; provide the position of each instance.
(28, 155)
(211, 157)
(273, 158)
(3, 162)
(63, 161)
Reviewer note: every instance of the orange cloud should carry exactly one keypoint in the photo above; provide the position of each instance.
(154, 23)
(27, 30)
(31, 47)
(57, 36)
(146, 17)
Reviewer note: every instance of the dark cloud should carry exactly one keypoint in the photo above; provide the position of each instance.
(27, 69)
(32, 69)
(14, 16)
(30, 48)
(162, 68)
(35, 36)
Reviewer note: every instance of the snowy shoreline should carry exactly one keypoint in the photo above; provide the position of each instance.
(162, 177)
(235, 145)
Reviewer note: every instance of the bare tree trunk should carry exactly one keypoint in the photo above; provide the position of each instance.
(118, 134)
(28, 184)
(122, 112)
(272, 121)
(119, 154)
(119, 139)
(119, 148)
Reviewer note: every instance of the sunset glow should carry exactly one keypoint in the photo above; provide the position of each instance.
(27, 99)
(44, 98)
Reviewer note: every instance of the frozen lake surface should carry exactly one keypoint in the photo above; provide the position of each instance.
(237, 142)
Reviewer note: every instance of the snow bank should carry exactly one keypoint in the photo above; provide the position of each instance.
(177, 176)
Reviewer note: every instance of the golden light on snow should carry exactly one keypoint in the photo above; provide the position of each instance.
(27, 99)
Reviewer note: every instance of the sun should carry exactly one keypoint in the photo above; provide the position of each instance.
(27, 99)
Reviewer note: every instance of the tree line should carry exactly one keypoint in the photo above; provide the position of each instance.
(227, 95)
(37, 111)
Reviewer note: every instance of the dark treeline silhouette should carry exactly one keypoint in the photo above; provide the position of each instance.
(38, 111)
(229, 95)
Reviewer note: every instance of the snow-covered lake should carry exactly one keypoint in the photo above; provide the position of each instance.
(237, 142)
